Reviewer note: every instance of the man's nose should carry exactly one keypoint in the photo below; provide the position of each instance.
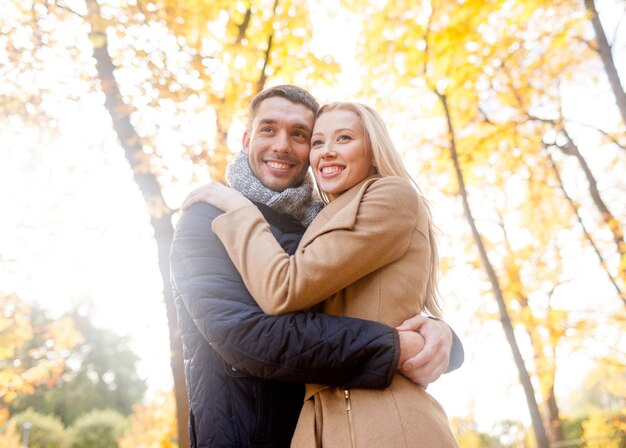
(281, 142)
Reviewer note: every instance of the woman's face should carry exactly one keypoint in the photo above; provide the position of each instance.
(340, 157)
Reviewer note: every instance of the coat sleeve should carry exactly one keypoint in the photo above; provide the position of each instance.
(385, 223)
(301, 347)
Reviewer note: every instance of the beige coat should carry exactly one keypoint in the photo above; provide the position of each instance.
(367, 252)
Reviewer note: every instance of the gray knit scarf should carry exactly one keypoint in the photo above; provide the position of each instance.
(302, 202)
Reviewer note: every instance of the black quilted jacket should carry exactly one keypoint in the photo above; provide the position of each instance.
(245, 369)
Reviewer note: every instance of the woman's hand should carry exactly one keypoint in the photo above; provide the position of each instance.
(219, 195)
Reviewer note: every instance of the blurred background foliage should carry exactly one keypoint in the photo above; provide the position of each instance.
(510, 114)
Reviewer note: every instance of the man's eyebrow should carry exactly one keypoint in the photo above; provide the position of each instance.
(302, 126)
(267, 121)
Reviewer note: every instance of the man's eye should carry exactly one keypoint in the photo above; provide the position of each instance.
(267, 129)
(299, 134)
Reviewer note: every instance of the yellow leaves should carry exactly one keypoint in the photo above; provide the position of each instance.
(599, 431)
(469, 439)
(64, 334)
(153, 424)
(9, 436)
(610, 375)
(98, 39)
(15, 327)
(240, 47)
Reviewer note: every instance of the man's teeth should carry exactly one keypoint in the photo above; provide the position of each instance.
(331, 169)
(278, 166)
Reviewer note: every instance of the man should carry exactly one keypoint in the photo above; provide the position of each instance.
(245, 369)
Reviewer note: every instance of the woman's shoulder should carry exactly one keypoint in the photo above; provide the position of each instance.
(393, 188)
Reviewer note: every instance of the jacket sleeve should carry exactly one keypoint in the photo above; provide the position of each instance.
(333, 260)
(301, 347)
(457, 353)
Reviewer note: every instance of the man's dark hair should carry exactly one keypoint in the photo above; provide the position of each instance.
(292, 93)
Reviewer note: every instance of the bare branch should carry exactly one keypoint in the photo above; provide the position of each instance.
(588, 237)
(427, 47)
(68, 9)
(611, 138)
(244, 26)
(268, 51)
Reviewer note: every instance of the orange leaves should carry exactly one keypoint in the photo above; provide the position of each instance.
(31, 356)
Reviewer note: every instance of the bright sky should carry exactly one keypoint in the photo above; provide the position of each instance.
(75, 227)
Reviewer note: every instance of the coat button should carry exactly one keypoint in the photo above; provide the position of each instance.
(233, 369)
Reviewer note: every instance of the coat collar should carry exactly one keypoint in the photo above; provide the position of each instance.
(340, 213)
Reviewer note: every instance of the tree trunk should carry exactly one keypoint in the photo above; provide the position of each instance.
(545, 366)
(160, 213)
(555, 424)
(219, 158)
(604, 49)
(538, 426)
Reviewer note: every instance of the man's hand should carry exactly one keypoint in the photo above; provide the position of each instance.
(432, 361)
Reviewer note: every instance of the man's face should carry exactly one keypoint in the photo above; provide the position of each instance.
(278, 143)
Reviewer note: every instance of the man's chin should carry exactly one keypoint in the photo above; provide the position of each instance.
(279, 185)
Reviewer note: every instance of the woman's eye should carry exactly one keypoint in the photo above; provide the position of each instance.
(343, 138)
(316, 143)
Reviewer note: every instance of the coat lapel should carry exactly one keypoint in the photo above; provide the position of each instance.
(340, 214)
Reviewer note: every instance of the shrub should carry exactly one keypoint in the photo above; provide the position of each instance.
(45, 431)
(100, 428)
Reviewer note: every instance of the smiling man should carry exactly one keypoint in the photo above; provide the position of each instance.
(245, 370)
(279, 158)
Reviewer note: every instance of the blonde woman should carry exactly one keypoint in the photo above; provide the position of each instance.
(368, 251)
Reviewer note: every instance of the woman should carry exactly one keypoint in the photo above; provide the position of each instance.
(370, 253)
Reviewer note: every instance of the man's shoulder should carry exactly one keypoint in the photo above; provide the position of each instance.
(202, 210)
(197, 218)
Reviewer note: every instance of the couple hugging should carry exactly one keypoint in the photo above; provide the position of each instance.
(300, 302)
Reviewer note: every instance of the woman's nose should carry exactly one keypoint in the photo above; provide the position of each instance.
(329, 151)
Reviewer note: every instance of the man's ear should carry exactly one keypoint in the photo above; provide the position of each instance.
(245, 141)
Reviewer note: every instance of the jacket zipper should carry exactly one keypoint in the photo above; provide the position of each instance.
(346, 394)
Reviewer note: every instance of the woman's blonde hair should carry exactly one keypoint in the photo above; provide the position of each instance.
(388, 162)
